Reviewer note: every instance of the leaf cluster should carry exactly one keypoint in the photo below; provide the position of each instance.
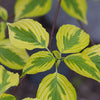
(28, 34)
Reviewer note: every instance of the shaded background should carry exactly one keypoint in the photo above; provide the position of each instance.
(87, 89)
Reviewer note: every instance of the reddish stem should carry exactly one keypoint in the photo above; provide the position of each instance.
(53, 27)
(15, 89)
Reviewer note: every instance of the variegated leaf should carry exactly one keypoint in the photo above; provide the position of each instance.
(71, 39)
(31, 8)
(28, 34)
(3, 13)
(7, 79)
(39, 62)
(75, 8)
(2, 30)
(11, 56)
(94, 54)
(81, 64)
(57, 54)
(4, 96)
(56, 87)
(31, 99)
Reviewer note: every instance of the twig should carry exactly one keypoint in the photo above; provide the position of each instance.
(82, 27)
(9, 17)
(12, 16)
(53, 27)
(15, 89)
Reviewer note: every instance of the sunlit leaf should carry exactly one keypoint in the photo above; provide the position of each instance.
(39, 62)
(3, 13)
(7, 79)
(31, 8)
(7, 97)
(28, 34)
(71, 39)
(2, 30)
(31, 99)
(56, 87)
(75, 8)
(11, 56)
(81, 64)
(94, 54)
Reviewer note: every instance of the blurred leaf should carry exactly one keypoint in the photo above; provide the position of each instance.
(3, 13)
(31, 99)
(7, 79)
(75, 8)
(39, 62)
(2, 30)
(71, 39)
(7, 97)
(11, 56)
(81, 64)
(28, 34)
(31, 8)
(56, 87)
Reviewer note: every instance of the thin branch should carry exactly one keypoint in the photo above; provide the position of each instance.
(82, 27)
(53, 27)
(11, 16)
(15, 89)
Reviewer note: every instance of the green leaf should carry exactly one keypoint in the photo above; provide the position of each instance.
(56, 87)
(7, 97)
(31, 8)
(81, 64)
(94, 54)
(39, 62)
(57, 54)
(31, 99)
(11, 56)
(3, 13)
(7, 79)
(2, 30)
(28, 34)
(71, 39)
(75, 8)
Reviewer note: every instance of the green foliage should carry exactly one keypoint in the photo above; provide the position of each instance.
(29, 34)
(31, 99)
(11, 56)
(55, 88)
(3, 13)
(57, 54)
(4, 17)
(7, 97)
(39, 62)
(7, 79)
(31, 8)
(75, 8)
(70, 39)
(82, 65)
(94, 54)
(2, 30)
